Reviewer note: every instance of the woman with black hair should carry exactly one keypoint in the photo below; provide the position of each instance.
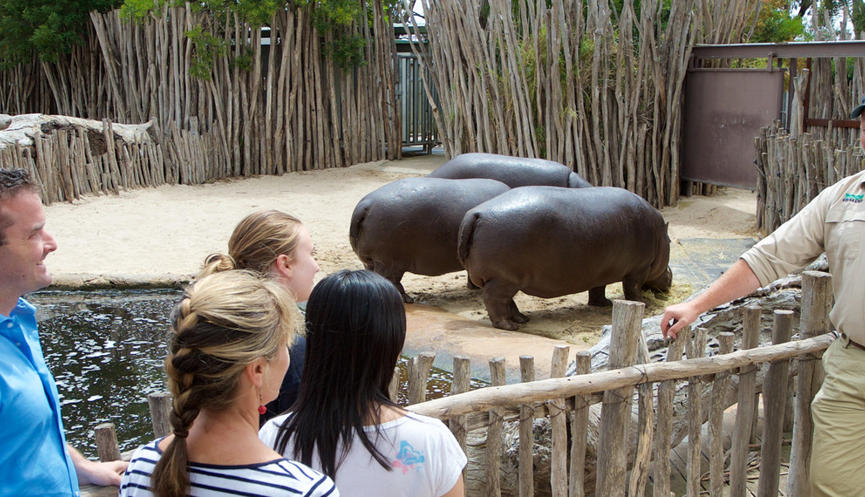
(344, 423)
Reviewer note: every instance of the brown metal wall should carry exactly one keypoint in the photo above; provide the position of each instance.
(724, 111)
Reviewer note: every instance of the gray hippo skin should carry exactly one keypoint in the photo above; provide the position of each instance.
(512, 171)
(549, 241)
(411, 225)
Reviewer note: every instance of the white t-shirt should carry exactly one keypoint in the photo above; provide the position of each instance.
(272, 478)
(425, 459)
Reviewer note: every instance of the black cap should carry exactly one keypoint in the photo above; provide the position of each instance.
(858, 110)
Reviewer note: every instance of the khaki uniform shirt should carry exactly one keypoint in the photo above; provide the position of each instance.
(834, 222)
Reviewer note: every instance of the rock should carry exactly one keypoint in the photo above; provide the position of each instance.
(5, 121)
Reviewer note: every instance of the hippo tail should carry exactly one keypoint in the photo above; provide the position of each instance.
(357, 219)
(467, 230)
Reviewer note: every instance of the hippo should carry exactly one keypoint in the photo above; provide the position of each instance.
(411, 225)
(512, 171)
(549, 241)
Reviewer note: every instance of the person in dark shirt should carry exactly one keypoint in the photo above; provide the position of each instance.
(278, 246)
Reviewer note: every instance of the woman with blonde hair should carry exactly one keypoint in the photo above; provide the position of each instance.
(344, 422)
(227, 357)
(278, 246)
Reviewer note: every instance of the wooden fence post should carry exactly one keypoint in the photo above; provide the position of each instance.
(664, 431)
(462, 378)
(418, 373)
(745, 409)
(774, 397)
(106, 442)
(494, 432)
(716, 419)
(393, 388)
(814, 320)
(527, 436)
(695, 348)
(559, 422)
(160, 413)
(616, 408)
(579, 427)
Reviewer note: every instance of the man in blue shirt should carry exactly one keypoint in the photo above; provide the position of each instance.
(34, 459)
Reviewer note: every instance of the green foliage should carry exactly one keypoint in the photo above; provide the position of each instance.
(347, 46)
(47, 28)
(776, 23)
(257, 12)
(858, 15)
(206, 48)
(337, 17)
(138, 10)
(244, 60)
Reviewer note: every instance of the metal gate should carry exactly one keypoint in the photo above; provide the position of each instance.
(418, 124)
(724, 111)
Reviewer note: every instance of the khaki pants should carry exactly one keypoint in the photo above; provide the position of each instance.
(838, 409)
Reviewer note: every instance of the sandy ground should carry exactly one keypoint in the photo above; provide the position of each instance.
(164, 233)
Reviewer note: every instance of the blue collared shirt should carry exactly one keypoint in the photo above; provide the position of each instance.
(33, 456)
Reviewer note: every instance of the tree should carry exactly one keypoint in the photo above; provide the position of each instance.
(776, 23)
(47, 28)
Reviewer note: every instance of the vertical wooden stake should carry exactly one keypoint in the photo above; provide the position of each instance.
(716, 419)
(616, 409)
(160, 413)
(462, 377)
(559, 422)
(494, 432)
(527, 436)
(747, 403)
(106, 442)
(774, 398)
(816, 302)
(579, 428)
(419, 368)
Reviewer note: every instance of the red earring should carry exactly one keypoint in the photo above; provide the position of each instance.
(261, 408)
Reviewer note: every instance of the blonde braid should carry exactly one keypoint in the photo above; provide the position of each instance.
(225, 321)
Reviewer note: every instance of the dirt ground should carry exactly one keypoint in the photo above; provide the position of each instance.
(164, 233)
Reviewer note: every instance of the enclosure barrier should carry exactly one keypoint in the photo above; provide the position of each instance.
(70, 163)
(271, 103)
(629, 451)
(793, 170)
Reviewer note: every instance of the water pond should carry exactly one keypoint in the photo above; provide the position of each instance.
(106, 349)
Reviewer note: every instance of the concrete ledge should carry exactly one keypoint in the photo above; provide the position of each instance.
(79, 281)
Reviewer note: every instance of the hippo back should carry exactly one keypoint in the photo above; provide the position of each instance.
(549, 241)
(412, 224)
(513, 171)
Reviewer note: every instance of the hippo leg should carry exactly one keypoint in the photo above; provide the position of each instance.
(469, 284)
(395, 277)
(632, 289)
(598, 298)
(498, 299)
(405, 297)
(516, 315)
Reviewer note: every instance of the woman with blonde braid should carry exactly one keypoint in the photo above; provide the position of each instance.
(278, 246)
(227, 357)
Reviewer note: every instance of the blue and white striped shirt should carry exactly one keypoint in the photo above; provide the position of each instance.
(280, 477)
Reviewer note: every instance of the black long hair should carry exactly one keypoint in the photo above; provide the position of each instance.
(355, 323)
